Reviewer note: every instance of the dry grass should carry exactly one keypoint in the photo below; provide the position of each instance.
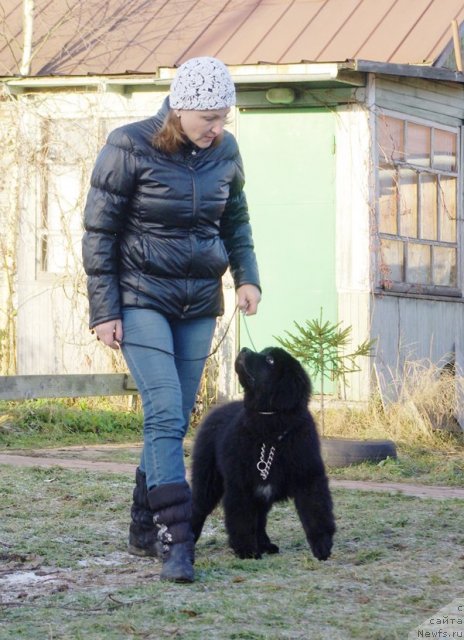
(424, 414)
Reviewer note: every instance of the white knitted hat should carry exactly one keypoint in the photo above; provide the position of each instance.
(202, 84)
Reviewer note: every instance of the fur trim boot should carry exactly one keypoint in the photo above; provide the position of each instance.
(172, 507)
(142, 532)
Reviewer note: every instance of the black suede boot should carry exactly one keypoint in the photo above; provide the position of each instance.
(172, 507)
(142, 532)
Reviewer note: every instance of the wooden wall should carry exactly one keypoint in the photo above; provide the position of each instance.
(409, 327)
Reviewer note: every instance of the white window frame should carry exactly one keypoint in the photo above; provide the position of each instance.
(58, 251)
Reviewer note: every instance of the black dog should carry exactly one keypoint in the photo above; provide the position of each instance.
(262, 450)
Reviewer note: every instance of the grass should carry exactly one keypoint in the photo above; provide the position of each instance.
(425, 454)
(65, 573)
(424, 414)
(422, 423)
(51, 423)
(417, 465)
(396, 560)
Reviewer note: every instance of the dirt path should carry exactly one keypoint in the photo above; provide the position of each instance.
(83, 458)
(68, 463)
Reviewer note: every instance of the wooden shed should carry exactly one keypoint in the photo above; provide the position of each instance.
(349, 118)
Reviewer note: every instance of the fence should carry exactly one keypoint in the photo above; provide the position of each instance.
(66, 386)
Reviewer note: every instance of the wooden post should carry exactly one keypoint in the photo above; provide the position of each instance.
(457, 44)
(28, 27)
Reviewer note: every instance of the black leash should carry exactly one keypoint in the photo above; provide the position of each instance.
(169, 353)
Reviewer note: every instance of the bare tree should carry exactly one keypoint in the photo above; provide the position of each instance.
(28, 30)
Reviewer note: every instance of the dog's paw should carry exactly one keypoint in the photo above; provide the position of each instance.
(322, 546)
(269, 548)
(245, 554)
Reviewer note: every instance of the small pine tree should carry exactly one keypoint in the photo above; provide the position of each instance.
(320, 346)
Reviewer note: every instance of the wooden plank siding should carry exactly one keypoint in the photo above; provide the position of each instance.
(440, 102)
(66, 386)
(409, 329)
(405, 327)
(328, 97)
(353, 209)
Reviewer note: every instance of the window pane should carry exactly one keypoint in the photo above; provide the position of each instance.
(69, 141)
(448, 209)
(390, 139)
(417, 203)
(388, 201)
(62, 219)
(429, 219)
(408, 202)
(444, 150)
(418, 270)
(418, 145)
(391, 259)
(444, 267)
(63, 199)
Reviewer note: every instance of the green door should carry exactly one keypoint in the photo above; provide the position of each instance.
(290, 186)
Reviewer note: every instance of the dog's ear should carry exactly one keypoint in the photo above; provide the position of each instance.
(292, 389)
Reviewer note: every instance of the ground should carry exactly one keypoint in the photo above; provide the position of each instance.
(383, 558)
(90, 457)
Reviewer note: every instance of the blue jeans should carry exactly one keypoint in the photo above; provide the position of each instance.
(167, 385)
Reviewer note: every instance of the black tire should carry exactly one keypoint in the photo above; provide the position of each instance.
(342, 452)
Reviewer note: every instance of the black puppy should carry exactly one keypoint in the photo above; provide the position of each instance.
(262, 450)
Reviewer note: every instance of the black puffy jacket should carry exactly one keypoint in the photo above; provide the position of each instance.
(161, 230)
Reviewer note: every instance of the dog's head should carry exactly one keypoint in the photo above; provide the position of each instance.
(272, 379)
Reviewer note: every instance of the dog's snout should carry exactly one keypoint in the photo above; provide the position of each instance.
(243, 354)
(242, 364)
(244, 351)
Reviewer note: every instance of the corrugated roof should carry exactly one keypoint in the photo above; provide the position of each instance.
(79, 37)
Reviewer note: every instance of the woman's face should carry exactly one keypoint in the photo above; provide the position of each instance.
(202, 127)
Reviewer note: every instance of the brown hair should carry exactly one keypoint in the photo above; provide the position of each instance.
(171, 138)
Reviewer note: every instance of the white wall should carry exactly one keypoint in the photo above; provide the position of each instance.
(353, 208)
(53, 335)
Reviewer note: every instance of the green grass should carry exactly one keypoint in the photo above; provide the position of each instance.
(51, 423)
(395, 561)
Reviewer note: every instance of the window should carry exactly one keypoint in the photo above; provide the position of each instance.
(417, 206)
(107, 125)
(68, 149)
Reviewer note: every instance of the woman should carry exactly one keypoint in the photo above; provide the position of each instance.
(165, 216)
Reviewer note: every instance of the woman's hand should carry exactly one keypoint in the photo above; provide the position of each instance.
(248, 298)
(110, 333)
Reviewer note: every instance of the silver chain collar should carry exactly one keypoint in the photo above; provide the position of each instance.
(264, 466)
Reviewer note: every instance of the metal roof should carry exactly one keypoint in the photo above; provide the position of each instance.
(113, 37)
